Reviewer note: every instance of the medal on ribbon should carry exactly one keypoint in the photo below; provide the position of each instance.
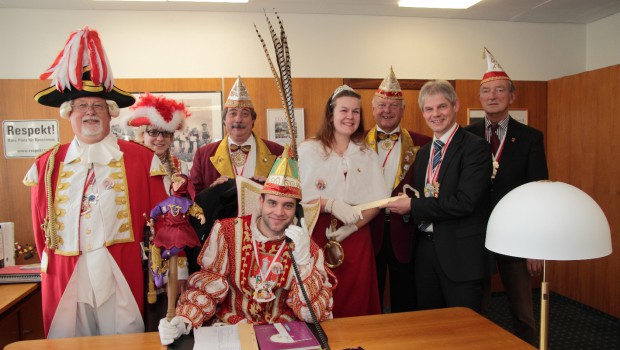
(238, 158)
(263, 288)
(386, 144)
(88, 200)
(431, 190)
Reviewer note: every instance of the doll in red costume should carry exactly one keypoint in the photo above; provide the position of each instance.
(176, 232)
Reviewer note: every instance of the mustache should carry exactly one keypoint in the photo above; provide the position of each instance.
(238, 126)
(91, 118)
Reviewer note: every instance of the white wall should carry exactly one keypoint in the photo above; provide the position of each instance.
(186, 44)
(603, 45)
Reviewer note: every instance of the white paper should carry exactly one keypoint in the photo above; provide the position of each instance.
(377, 203)
(217, 338)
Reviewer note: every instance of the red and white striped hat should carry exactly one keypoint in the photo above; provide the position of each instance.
(158, 111)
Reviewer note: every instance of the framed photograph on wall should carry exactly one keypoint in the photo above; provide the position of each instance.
(277, 126)
(203, 126)
(475, 114)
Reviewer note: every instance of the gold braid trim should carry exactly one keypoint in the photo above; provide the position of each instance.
(49, 223)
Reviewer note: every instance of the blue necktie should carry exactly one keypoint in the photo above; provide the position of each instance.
(438, 144)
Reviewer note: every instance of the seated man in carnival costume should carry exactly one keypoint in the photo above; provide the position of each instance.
(246, 269)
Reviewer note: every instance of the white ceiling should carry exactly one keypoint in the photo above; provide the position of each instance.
(537, 11)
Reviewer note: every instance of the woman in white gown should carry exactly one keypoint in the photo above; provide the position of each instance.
(339, 170)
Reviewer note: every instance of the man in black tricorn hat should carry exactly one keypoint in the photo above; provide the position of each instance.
(88, 198)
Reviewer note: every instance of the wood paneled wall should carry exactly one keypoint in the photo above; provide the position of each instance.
(16, 102)
(583, 150)
(587, 161)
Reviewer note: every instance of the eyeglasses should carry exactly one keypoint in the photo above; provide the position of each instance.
(155, 133)
(83, 107)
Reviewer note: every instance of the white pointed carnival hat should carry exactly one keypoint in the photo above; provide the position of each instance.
(494, 69)
(238, 96)
(390, 88)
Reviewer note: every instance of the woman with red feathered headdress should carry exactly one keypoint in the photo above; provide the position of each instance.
(156, 119)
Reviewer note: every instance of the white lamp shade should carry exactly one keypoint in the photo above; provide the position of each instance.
(548, 221)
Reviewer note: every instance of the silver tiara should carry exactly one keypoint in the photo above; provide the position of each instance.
(340, 89)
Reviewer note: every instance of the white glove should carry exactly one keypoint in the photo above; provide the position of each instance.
(171, 330)
(341, 233)
(342, 211)
(299, 235)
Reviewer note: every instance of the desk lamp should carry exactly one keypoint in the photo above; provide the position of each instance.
(548, 220)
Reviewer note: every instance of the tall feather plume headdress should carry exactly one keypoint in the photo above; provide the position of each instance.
(83, 48)
(81, 69)
(282, 76)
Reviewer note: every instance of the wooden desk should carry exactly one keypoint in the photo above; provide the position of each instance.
(454, 328)
(20, 313)
(11, 294)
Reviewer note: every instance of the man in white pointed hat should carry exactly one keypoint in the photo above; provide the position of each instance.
(240, 153)
(518, 158)
(88, 199)
(392, 238)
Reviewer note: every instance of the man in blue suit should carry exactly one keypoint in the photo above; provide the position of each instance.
(453, 177)
(518, 158)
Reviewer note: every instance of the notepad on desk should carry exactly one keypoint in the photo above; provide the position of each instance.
(20, 274)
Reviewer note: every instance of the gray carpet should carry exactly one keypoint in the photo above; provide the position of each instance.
(572, 325)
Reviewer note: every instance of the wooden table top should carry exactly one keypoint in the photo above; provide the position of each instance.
(11, 294)
(452, 328)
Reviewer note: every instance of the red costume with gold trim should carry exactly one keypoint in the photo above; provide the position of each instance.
(226, 278)
(144, 188)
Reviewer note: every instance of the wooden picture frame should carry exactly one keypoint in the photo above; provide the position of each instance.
(203, 126)
(277, 127)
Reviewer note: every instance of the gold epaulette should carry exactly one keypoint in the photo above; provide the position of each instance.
(46, 151)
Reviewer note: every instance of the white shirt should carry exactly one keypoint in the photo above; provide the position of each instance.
(390, 169)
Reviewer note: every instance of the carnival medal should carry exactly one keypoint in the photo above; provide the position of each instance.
(431, 190)
(263, 292)
(238, 158)
(387, 144)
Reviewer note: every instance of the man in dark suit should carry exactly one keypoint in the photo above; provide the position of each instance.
(518, 158)
(392, 234)
(453, 177)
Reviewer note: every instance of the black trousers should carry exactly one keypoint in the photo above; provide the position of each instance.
(402, 283)
(435, 290)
